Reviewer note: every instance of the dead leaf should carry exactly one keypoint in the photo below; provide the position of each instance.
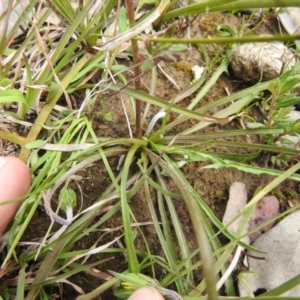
(282, 258)
(236, 202)
(266, 208)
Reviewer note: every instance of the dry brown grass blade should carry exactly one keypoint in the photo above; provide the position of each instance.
(44, 114)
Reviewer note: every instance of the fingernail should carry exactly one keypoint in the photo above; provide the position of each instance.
(2, 162)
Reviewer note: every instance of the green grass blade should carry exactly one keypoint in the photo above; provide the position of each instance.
(197, 221)
(219, 5)
(163, 104)
(133, 264)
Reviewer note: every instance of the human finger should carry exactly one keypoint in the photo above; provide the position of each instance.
(15, 181)
(146, 293)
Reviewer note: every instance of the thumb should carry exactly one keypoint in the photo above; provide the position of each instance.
(146, 293)
(15, 181)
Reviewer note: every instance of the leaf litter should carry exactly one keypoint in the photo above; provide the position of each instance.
(281, 246)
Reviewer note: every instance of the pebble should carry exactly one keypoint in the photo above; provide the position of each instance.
(254, 61)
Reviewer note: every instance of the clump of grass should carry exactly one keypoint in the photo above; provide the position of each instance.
(57, 149)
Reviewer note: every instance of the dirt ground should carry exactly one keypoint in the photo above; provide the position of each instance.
(212, 185)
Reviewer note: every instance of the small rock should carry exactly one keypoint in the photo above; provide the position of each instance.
(197, 71)
(267, 61)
